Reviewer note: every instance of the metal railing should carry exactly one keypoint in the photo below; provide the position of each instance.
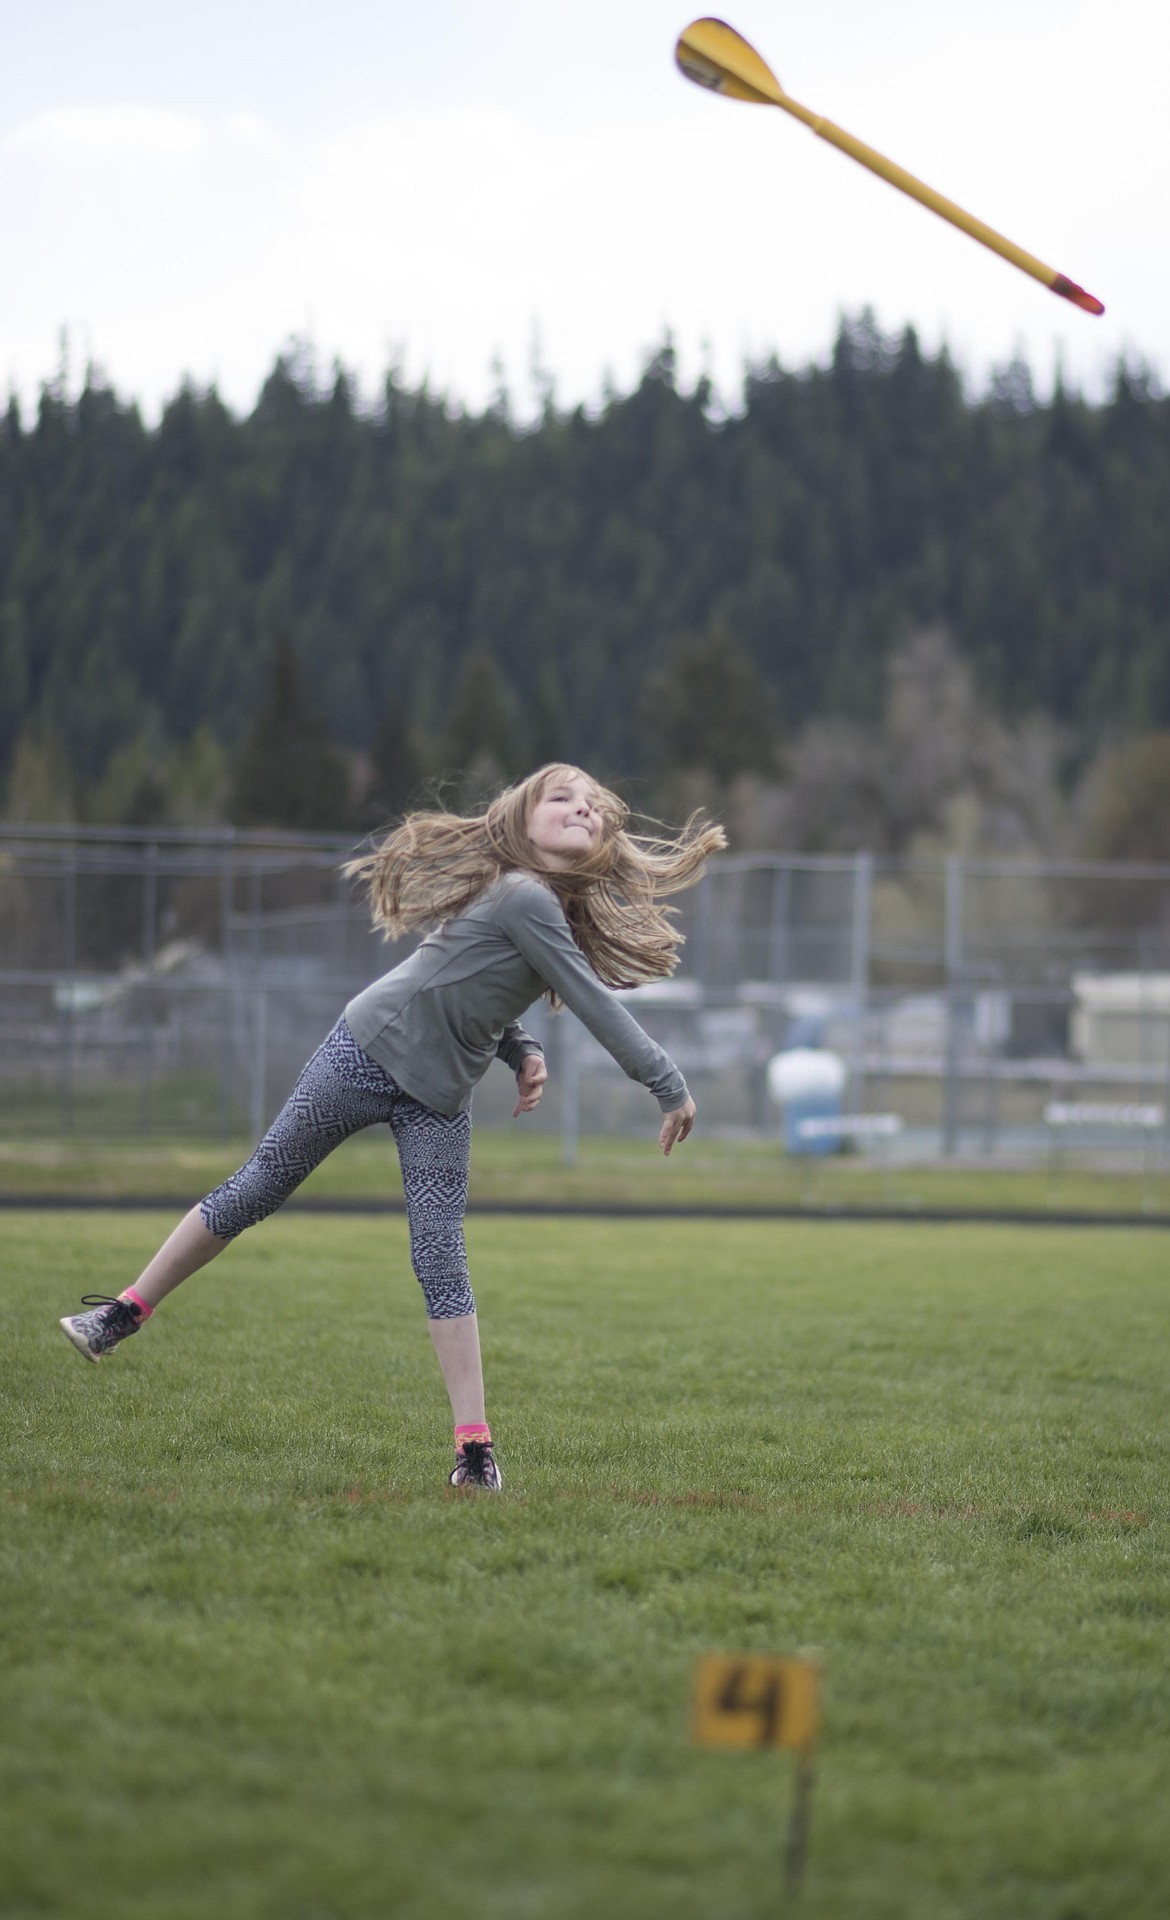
(170, 980)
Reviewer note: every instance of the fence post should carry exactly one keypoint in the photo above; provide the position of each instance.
(150, 904)
(861, 939)
(227, 887)
(570, 1089)
(860, 933)
(778, 925)
(68, 1061)
(260, 1066)
(953, 952)
(255, 901)
(149, 1001)
(704, 909)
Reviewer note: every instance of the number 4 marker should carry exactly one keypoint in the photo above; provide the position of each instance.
(754, 1700)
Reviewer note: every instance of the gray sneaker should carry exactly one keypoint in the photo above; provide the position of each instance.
(111, 1322)
(475, 1466)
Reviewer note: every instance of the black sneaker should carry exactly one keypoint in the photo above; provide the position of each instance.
(111, 1322)
(475, 1466)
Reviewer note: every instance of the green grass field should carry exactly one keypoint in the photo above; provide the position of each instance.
(259, 1665)
(514, 1163)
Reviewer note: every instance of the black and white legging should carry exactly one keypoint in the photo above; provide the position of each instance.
(340, 1091)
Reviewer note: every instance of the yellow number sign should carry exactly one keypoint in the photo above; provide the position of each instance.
(756, 1700)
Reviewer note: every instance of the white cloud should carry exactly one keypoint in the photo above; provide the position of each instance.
(249, 130)
(110, 133)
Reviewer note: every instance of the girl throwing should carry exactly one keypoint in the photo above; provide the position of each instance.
(544, 893)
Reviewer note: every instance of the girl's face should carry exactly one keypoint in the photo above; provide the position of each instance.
(565, 825)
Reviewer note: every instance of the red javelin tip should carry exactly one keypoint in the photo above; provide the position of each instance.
(1069, 290)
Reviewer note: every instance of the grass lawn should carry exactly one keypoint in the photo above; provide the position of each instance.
(514, 1163)
(258, 1665)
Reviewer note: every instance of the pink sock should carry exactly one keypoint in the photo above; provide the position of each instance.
(477, 1432)
(137, 1301)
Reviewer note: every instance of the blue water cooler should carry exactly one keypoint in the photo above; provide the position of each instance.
(808, 1083)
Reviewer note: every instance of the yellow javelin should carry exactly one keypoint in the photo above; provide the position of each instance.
(714, 55)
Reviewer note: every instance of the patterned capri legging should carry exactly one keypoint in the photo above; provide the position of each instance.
(340, 1091)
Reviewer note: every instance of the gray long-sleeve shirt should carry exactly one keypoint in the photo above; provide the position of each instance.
(438, 1021)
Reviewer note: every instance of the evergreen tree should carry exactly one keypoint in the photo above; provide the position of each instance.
(134, 790)
(547, 730)
(398, 767)
(289, 771)
(14, 673)
(1130, 817)
(842, 509)
(710, 708)
(483, 743)
(40, 787)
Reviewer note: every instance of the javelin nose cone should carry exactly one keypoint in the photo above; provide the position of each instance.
(1069, 290)
(715, 56)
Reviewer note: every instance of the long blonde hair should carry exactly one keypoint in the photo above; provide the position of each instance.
(433, 865)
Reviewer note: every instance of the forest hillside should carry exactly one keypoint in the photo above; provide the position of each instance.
(861, 606)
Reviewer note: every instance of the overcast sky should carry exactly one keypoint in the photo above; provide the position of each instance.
(184, 189)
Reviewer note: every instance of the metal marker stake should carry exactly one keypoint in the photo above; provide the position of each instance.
(796, 1844)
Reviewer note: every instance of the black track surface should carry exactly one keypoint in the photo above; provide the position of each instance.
(611, 1210)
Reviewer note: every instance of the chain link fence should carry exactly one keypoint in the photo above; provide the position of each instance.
(175, 982)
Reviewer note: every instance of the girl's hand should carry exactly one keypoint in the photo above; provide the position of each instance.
(530, 1083)
(676, 1125)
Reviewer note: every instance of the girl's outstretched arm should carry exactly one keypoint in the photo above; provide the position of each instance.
(534, 921)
